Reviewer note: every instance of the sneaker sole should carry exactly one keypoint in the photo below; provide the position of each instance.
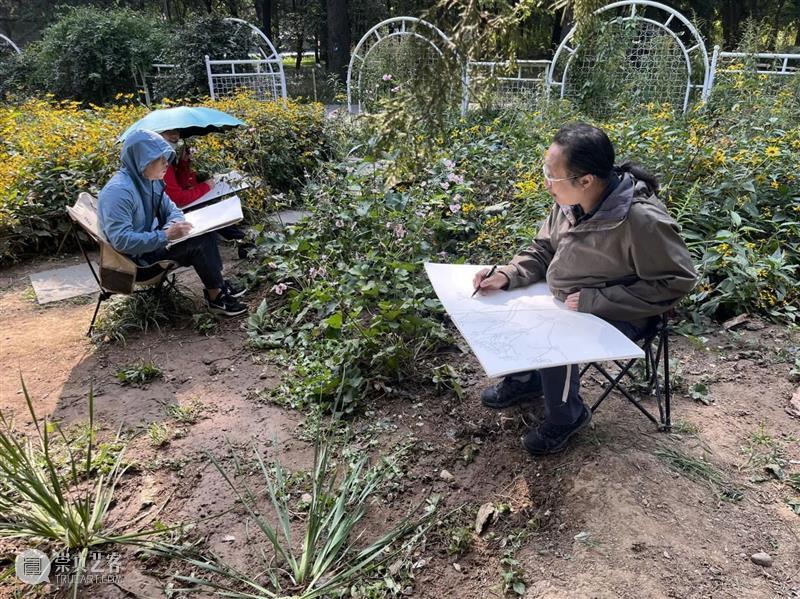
(224, 312)
(525, 398)
(563, 445)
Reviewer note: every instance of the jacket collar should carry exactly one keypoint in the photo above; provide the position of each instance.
(613, 210)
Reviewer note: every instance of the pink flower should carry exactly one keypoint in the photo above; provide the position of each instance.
(339, 224)
(395, 89)
(399, 231)
(279, 288)
(387, 77)
(444, 185)
(449, 163)
(455, 208)
(457, 179)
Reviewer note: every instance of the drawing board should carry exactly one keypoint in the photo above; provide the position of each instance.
(524, 329)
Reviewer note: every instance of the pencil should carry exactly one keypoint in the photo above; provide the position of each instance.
(491, 272)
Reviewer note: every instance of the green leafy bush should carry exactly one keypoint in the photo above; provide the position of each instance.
(54, 150)
(88, 53)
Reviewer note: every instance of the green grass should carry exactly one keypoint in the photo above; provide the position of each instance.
(159, 434)
(124, 315)
(185, 413)
(46, 500)
(700, 470)
(323, 559)
(139, 373)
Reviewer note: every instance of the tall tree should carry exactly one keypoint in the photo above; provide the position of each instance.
(338, 38)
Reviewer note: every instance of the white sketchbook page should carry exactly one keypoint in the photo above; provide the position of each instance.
(453, 285)
(212, 217)
(224, 184)
(524, 329)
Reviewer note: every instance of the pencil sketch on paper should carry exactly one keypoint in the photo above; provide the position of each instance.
(524, 329)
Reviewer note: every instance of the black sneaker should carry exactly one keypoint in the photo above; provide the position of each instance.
(511, 392)
(232, 289)
(550, 438)
(225, 304)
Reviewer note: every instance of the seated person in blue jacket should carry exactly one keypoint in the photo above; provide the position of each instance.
(139, 219)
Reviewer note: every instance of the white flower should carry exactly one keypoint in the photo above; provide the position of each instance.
(395, 89)
(455, 208)
(399, 231)
(339, 223)
(279, 288)
(449, 163)
(387, 77)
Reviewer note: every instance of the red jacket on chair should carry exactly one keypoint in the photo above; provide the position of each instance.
(181, 181)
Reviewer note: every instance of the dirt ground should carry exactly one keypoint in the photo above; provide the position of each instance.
(607, 518)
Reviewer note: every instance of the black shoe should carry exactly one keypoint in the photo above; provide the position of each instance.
(225, 304)
(511, 392)
(550, 438)
(232, 289)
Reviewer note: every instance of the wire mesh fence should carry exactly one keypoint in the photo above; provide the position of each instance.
(261, 77)
(507, 84)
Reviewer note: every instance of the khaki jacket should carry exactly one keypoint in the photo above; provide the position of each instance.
(628, 260)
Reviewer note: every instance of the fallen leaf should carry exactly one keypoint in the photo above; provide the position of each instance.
(485, 514)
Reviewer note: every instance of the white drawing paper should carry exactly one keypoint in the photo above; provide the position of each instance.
(524, 329)
(224, 184)
(212, 217)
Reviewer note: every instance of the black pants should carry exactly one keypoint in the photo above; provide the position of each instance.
(566, 410)
(201, 253)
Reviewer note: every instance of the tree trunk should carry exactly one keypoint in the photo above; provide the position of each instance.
(299, 48)
(338, 38)
(264, 14)
(323, 32)
(732, 16)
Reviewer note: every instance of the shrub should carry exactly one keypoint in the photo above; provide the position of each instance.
(187, 48)
(88, 53)
(54, 150)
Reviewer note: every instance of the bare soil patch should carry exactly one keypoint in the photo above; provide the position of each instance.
(607, 518)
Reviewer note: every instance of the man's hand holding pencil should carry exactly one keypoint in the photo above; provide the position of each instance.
(487, 280)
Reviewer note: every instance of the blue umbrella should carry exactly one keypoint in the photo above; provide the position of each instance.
(190, 120)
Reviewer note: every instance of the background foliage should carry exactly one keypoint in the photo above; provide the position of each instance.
(54, 150)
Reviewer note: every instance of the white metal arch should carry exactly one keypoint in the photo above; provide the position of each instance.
(398, 27)
(258, 73)
(8, 41)
(568, 53)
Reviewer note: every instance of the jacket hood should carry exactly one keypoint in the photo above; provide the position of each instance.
(139, 150)
(616, 206)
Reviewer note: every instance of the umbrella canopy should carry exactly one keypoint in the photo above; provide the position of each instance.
(190, 120)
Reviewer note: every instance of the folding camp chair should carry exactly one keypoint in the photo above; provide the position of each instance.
(655, 343)
(117, 273)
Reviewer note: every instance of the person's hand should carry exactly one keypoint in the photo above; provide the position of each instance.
(497, 281)
(572, 300)
(178, 229)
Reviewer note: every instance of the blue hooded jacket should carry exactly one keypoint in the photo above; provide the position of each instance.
(132, 210)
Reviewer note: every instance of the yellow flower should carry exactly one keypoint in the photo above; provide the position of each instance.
(775, 185)
(772, 151)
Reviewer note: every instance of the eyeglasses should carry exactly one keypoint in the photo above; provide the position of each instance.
(550, 179)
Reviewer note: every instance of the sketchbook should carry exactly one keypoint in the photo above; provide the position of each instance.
(225, 184)
(524, 329)
(212, 217)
